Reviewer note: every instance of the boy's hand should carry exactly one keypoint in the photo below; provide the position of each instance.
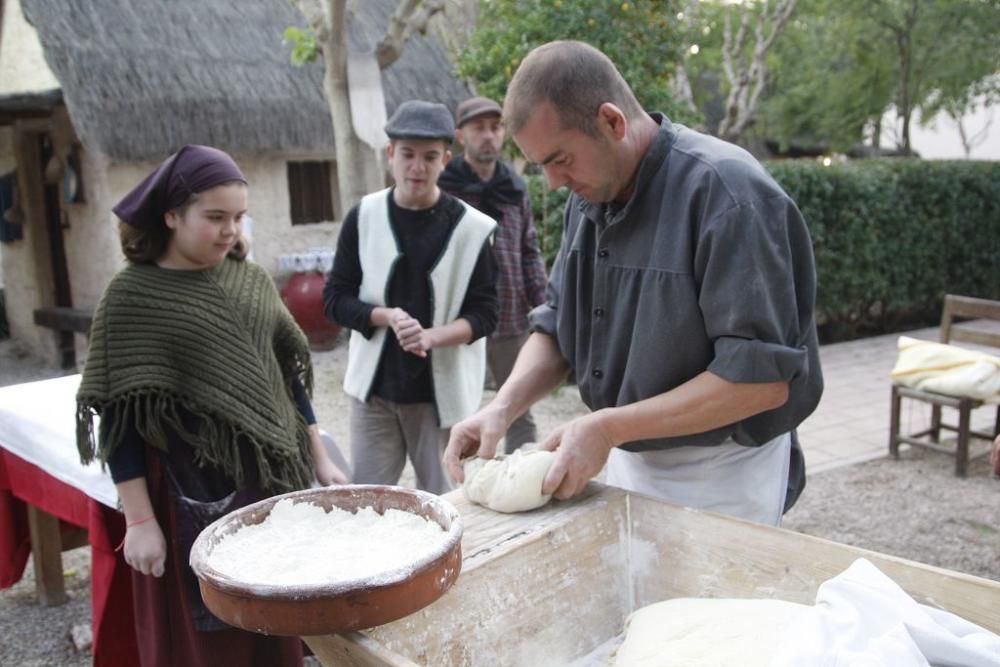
(412, 336)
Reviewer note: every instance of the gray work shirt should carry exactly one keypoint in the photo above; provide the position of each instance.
(708, 266)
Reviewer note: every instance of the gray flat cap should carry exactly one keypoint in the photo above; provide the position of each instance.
(416, 119)
(474, 107)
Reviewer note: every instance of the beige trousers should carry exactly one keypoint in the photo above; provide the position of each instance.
(384, 434)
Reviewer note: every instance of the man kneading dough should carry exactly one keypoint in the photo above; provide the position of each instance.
(508, 483)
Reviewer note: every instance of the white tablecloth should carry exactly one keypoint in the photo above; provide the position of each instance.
(38, 424)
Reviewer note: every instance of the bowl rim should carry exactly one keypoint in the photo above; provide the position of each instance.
(201, 549)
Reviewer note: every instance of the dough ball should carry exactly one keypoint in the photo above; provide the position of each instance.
(511, 483)
(705, 632)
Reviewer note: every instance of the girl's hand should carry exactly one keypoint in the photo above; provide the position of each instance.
(146, 548)
(328, 473)
(326, 470)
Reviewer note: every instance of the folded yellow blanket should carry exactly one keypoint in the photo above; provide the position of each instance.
(947, 369)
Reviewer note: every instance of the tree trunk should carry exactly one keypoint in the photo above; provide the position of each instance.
(904, 48)
(354, 179)
(359, 166)
(747, 75)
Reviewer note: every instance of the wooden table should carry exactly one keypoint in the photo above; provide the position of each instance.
(550, 586)
(50, 502)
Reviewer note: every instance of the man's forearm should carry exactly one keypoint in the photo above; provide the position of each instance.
(539, 369)
(701, 404)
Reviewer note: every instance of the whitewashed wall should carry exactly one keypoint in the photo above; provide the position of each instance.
(273, 232)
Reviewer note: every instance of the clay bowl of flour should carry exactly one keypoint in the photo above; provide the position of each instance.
(328, 560)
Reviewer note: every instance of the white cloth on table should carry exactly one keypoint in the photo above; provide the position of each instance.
(38, 424)
(862, 618)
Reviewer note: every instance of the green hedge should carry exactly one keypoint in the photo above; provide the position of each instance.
(891, 237)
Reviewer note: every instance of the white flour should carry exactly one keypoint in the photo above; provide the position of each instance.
(301, 543)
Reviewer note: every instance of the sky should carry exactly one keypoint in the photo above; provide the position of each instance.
(940, 139)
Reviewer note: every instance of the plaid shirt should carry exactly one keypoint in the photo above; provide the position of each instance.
(521, 268)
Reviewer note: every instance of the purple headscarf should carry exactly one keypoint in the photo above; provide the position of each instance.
(190, 170)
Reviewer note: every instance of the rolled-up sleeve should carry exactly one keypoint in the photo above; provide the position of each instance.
(745, 267)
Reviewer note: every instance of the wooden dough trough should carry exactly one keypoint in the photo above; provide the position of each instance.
(551, 586)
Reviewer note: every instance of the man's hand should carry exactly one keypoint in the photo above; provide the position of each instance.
(479, 434)
(582, 447)
(146, 548)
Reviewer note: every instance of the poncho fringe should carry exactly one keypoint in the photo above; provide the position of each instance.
(219, 346)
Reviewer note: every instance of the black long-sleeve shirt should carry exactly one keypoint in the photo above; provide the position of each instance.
(422, 236)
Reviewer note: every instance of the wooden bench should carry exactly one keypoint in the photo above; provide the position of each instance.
(66, 322)
(60, 318)
(976, 333)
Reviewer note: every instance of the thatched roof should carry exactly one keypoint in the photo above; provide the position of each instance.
(142, 77)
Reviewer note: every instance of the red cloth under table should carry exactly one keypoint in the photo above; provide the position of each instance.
(22, 483)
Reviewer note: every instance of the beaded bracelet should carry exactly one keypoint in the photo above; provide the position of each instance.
(134, 523)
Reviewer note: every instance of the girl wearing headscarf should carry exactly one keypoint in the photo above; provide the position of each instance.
(200, 378)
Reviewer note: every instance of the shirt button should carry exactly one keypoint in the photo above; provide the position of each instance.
(598, 312)
(598, 373)
(603, 252)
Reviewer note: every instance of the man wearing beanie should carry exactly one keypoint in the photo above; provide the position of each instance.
(414, 278)
(482, 180)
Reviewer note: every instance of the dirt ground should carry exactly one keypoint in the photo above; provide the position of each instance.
(914, 508)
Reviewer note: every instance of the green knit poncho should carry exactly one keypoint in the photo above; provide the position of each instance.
(218, 343)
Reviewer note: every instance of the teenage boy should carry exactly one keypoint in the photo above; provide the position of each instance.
(414, 277)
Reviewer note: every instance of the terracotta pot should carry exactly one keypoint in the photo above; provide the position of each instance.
(303, 296)
(319, 609)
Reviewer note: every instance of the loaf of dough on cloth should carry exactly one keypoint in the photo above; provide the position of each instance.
(511, 483)
(705, 632)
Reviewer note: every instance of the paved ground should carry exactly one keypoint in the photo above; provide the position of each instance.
(851, 423)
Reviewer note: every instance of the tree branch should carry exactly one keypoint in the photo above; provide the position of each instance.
(747, 75)
(316, 15)
(411, 16)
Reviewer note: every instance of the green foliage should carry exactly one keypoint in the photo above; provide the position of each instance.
(304, 46)
(891, 238)
(831, 74)
(638, 35)
(843, 63)
(547, 207)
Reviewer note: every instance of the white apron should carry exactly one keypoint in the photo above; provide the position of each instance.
(745, 482)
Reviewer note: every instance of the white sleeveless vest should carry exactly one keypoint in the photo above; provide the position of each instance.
(458, 371)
